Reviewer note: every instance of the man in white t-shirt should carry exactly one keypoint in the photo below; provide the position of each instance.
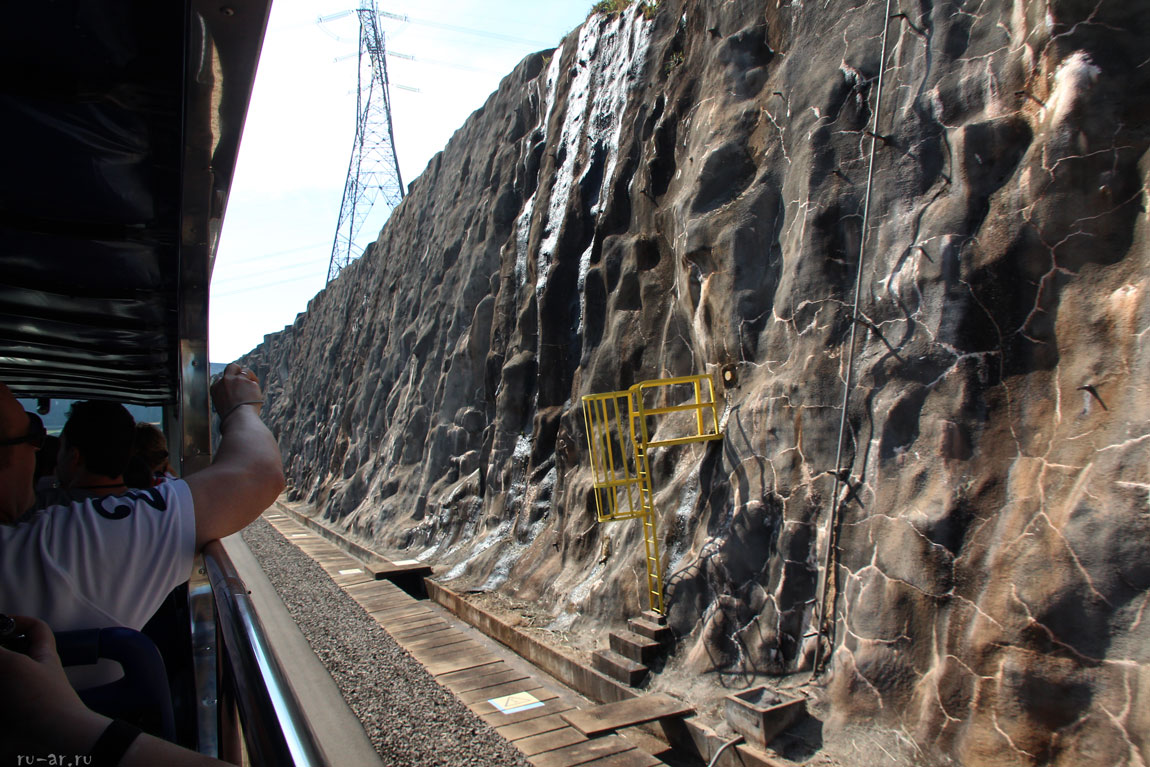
(110, 561)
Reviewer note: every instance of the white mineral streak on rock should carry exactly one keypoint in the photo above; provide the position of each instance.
(1076, 75)
(608, 63)
(510, 555)
(568, 149)
(623, 53)
(582, 590)
(498, 535)
(523, 223)
(680, 548)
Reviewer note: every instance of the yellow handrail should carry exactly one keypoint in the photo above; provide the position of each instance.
(629, 471)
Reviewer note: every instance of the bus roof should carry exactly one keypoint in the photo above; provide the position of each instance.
(123, 121)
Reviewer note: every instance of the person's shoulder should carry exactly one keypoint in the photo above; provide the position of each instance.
(52, 496)
(160, 496)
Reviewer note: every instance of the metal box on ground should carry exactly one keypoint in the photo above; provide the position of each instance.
(759, 714)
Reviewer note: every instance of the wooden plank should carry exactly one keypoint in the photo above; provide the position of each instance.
(381, 587)
(378, 595)
(412, 626)
(399, 613)
(372, 602)
(583, 752)
(350, 578)
(549, 741)
(499, 690)
(431, 653)
(634, 758)
(627, 713)
(525, 729)
(438, 641)
(457, 664)
(497, 719)
(385, 570)
(406, 641)
(428, 634)
(491, 679)
(485, 676)
(407, 633)
(412, 617)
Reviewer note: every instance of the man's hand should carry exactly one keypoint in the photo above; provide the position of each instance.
(41, 717)
(236, 387)
(37, 704)
(246, 475)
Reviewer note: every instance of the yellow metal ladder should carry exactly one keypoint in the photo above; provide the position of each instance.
(620, 467)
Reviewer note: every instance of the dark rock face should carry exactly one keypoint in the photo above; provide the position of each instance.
(689, 194)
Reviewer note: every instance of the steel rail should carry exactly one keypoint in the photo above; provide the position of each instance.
(274, 726)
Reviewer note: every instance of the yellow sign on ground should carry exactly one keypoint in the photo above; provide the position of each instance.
(512, 704)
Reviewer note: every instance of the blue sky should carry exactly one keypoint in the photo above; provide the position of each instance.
(276, 241)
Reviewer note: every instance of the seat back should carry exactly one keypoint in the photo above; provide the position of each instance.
(142, 696)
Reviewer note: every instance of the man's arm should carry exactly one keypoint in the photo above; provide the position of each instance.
(247, 473)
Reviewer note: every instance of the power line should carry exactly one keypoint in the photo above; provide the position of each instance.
(440, 63)
(277, 253)
(263, 286)
(465, 30)
(233, 279)
(439, 25)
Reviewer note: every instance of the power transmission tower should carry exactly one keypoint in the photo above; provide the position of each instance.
(373, 172)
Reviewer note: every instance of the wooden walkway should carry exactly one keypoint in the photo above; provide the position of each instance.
(521, 707)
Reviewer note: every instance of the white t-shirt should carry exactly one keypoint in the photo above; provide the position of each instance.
(106, 561)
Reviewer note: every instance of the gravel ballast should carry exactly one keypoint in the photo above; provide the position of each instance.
(409, 717)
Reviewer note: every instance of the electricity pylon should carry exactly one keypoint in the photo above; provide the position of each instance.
(373, 172)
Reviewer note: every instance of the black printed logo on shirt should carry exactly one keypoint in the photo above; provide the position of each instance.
(121, 506)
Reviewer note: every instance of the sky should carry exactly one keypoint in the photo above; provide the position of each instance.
(280, 222)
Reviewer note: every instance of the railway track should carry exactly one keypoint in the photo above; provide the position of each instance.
(492, 688)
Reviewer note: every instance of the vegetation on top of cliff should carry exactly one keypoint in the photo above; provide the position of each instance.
(618, 6)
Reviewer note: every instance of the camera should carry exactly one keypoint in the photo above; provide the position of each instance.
(10, 637)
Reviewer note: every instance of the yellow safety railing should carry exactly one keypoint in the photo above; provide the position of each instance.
(620, 469)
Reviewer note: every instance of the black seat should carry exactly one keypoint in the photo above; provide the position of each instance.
(142, 696)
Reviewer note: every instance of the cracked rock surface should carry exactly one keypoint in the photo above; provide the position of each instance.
(688, 194)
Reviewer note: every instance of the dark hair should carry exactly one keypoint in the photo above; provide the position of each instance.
(149, 456)
(103, 433)
(151, 445)
(46, 458)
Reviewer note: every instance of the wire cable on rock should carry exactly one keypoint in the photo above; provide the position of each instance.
(832, 522)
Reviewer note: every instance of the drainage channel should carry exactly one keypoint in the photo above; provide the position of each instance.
(523, 703)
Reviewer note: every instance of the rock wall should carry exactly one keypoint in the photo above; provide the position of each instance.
(688, 193)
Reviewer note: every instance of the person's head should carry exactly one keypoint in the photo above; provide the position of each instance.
(149, 456)
(46, 457)
(21, 435)
(151, 445)
(96, 440)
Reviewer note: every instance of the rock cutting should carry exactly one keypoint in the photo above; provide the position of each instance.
(906, 240)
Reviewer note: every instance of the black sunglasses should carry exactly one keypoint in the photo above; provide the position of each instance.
(34, 437)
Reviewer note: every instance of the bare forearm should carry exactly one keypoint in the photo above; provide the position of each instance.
(247, 443)
(244, 479)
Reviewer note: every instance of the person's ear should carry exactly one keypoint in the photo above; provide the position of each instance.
(70, 458)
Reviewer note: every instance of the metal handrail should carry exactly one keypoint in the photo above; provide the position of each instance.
(631, 473)
(275, 729)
